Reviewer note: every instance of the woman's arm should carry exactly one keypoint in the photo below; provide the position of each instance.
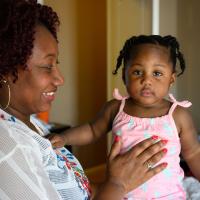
(128, 171)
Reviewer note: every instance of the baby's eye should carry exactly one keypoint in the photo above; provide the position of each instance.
(137, 72)
(157, 73)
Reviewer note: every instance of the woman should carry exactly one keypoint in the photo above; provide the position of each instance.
(30, 168)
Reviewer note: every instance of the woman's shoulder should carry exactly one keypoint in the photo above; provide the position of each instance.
(5, 132)
(14, 135)
(12, 143)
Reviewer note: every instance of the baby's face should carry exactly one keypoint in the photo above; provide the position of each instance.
(150, 74)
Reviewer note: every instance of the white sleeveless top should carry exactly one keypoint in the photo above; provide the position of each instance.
(30, 169)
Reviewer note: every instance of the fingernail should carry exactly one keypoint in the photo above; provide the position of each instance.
(154, 137)
(164, 141)
(164, 164)
(117, 138)
(164, 150)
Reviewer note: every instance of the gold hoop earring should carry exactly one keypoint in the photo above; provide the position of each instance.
(8, 86)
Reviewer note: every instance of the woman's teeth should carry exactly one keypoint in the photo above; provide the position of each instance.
(49, 93)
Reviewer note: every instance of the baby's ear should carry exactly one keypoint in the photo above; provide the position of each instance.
(173, 78)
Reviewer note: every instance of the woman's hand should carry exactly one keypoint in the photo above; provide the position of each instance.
(129, 170)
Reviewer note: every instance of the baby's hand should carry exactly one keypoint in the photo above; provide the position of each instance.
(57, 140)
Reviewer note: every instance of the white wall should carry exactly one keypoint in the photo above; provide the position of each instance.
(168, 17)
(82, 49)
(124, 19)
(181, 19)
(168, 25)
(65, 109)
(40, 1)
(188, 31)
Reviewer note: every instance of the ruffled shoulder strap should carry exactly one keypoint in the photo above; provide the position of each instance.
(118, 96)
(184, 104)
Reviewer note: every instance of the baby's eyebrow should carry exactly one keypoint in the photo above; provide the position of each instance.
(136, 64)
(159, 65)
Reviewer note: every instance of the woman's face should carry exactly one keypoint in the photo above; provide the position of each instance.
(36, 86)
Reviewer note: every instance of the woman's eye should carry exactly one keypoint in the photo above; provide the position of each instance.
(49, 66)
(157, 74)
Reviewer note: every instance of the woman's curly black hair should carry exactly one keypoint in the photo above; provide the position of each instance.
(170, 42)
(18, 19)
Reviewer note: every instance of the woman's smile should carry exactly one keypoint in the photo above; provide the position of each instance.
(49, 96)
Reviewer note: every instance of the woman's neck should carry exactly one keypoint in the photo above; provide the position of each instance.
(25, 118)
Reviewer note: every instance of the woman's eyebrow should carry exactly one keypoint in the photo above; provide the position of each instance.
(50, 55)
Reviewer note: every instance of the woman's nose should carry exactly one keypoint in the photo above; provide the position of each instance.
(58, 78)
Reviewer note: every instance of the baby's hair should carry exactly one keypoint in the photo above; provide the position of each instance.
(168, 41)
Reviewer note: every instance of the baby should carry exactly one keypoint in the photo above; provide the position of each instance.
(149, 69)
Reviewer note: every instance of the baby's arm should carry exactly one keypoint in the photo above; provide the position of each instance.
(89, 132)
(190, 146)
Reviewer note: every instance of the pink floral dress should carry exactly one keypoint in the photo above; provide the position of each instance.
(166, 185)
